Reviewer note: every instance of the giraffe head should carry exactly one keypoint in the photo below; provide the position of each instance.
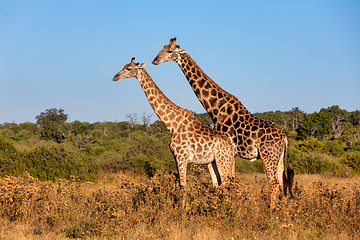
(129, 70)
(169, 52)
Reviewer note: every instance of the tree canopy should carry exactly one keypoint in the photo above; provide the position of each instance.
(51, 115)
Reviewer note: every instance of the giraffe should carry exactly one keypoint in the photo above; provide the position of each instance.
(191, 141)
(253, 137)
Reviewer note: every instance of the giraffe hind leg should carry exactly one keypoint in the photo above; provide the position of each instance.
(276, 181)
(279, 175)
(214, 173)
(274, 185)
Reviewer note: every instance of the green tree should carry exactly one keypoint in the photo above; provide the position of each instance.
(51, 123)
(281, 119)
(316, 125)
(51, 115)
(204, 118)
(354, 117)
(338, 117)
(296, 118)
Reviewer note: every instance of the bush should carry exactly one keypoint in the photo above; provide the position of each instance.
(334, 148)
(312, 144)
(316, 163)
(245, 166)
(49, 163)
(352, 159)
(8, 156)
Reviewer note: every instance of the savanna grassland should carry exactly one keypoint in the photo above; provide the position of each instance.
(118, 180)
(127, 207)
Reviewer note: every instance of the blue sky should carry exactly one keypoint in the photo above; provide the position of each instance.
(272, 55)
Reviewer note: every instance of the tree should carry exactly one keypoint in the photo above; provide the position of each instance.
(281, 119)
(52, 121)
(132, 119)
(315, 125)
(204, 118)
(338, 117)
(51, 115)
(354, 117)
(146, 120)
(296, 119)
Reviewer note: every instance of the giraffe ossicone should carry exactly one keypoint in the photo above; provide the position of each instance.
(191, 141)
(253, 137)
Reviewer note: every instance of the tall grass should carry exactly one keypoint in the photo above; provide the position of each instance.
(122, 206)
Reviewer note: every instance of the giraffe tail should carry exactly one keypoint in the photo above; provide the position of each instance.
(288, 177)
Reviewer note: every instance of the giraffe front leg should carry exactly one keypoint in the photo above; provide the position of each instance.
(182, 167)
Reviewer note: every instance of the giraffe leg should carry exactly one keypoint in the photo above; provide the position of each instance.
(182, 167)
(225, 171)
(271, 173)
(276, 182)
(214, 174)
(274, 185)
(233, 170)
(279, 175)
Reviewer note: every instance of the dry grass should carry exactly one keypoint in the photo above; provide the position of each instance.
(125, 207)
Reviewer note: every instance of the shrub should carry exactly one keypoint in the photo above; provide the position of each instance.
(312, 144)
(52, 161)
(245, 166)
(316, 163)
(8, 157)
(334, 148)
(352, 159)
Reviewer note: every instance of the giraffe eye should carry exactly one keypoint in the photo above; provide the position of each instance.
(129, 69)
(170, 51)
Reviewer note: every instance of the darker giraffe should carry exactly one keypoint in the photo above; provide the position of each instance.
(254, 138)
(191, 141)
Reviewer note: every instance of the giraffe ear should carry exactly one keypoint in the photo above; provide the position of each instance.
(141, 65)
(181, 51)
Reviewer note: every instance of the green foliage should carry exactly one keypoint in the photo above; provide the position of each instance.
(51, 162)
(335, 110)
(316, 163)
(52, 131)
(204, 118)
(8, 155)
(51, 115)
(245, 166)
(352, 160)
(315, 125)
(312, 144)
(354, 118)
(21, 131)
(140, 153)
(334, 148)
(277, 117)
(51, 123)
(87, 150)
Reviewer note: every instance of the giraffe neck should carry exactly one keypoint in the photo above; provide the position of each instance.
(216, 101)
(163, 107)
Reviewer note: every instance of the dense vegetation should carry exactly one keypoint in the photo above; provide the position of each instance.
(117, 180)
(326, 142)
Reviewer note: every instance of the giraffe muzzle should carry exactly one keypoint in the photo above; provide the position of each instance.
(116, 77)
(155, 61)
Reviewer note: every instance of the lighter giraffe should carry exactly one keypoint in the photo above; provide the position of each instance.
(191, 141)
(254, 138)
